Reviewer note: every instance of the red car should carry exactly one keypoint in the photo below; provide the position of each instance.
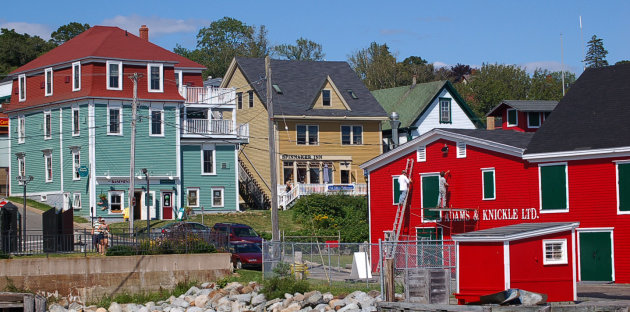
(246, 254)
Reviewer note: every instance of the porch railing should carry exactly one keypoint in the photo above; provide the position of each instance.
(208, 95)
(215, 126)
(285, 199)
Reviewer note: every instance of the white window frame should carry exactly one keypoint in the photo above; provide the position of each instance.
(109, 201)
(48, 82)
(21, 128)
(76, 80)
(179, 78)
(421, 153)
(188, 191)
(75, 165)
(563, 249)
(529, 125)
(156, 109)
(250, 99)
(120, 119)
(22, 87)
(120, 74)
(483, 184)
(617, 163)
(161, 77)
(507, 117)
(209, 147)
(47, 125)
(351, 134)
(48, 167)
(21, 163)
(76, 121)
(307, 141)
(461, 150)
(76, 196)
(222, 196)
(566, 171)
(394, 199)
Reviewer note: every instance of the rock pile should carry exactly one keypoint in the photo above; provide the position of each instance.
(238, 297)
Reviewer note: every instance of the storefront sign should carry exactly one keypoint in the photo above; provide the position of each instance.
(491, 214)
(167, 181)
(340, 187)
(83, 171)
(4, 122)
(301, 157)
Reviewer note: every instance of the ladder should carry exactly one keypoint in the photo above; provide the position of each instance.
(400, 211)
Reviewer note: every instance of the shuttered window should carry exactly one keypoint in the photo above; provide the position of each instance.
(623, 172)
(553, 187)
(488, 184)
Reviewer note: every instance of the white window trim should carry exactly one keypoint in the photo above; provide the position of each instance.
(250, 99)
(161, 73)
(180, 78)
(21, 128)
(144, 200)
(109, 202)
(76, 68)
(48, 171)
(563, 260)
(120, 81)
(46, 91)
(120, 115)
(21, 162)
(566, 171)
(351, 134)
(156, 109)
(394, 199)
(222, 196)
(330, 93)
(196, 189)
(617, 163)
(421, 153)
(74, 200)
(307, 134)
(422, 175)
(77, 131)
(529, 125)
(75, 167)
(22, 87)
(206, 147)
(507, 117)
(483, 186)
(461, 150)
(47, 134)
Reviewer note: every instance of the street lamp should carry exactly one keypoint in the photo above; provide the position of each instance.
(24, 180)
(146, 174)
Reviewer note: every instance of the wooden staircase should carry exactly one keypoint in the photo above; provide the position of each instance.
(250, 190)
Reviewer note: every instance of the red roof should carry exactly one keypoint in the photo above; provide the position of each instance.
(107, 42)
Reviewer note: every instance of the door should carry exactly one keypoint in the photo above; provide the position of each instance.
(137, 205)
(596, 256)
(167, 205)
(430, 248)
(430, 193)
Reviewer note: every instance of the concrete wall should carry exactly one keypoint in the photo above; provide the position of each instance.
(91, 278)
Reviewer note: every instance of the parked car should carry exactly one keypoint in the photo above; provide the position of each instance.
(246, 254)
(183, 227)
(238, 232)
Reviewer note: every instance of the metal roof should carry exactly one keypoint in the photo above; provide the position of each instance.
(515, 231)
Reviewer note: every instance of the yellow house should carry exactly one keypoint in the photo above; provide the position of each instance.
(326, 124)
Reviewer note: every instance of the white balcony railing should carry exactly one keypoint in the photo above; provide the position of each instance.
(208, 95)
(215, 126)
(299, 189)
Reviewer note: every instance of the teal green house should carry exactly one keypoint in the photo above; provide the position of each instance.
(70, 128)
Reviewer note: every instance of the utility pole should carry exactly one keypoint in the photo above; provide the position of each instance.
(132, 159)
(275, 230)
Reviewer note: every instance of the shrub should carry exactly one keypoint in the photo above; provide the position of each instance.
(121, 250)
(166, 245)
(277, 286)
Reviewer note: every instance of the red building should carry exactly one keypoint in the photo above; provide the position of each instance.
(575, 168)
(522, 115)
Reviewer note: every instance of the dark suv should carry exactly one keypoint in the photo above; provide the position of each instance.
(238, 232)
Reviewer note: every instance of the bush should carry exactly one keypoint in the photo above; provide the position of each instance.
(121, 250)
(175, 245)
(276, 287)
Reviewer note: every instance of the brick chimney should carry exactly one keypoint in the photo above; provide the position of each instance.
(144, 32)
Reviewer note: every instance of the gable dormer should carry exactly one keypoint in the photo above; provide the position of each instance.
(329, 97)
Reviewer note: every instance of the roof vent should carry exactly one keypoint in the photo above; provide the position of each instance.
(352, 94)
(277, 88)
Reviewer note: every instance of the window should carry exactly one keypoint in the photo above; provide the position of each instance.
(114, 117)
(533, 120)
(461, 150)
(326, 97)
(445, 110)
(193, 197)
(48, 164)
(48, 77)
(76, 163)
(488, 183)
(351, 135)
(76, 201)
(250, 95)
(21, 129)
(217, 197)
(314, 173)
(287, 171)
(115, 201)
(239, 100)
(75, 121)
(307, 134)
(512, 117)
(157, 124)
(345, 176)
(207, 160)
(114, 75)
(554, 193)
(178, 78)
(76, 76)
(156, 79)
(22, 87)
(555, 251)
(47, 126)
(395, 190)
(623, 187)
(21, 167)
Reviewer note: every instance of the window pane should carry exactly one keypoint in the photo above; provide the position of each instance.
(156, 122)
(48, 126)
(192, 197)
(624, 187)
(77, 76)
(301, 172)
(155, 78)
(511, 116)
(345, 135)
(314, 175)
(207, 161)
(357, 134)
(217, 198)
(239, 100)
(345, 176)
(301, 134)
(445, 111)
(312, 134)
(553, 186)
(113, 75)
(488, 184)
(114, 121)
(251, 98)
(534, 119)
(75, 121)
(326, 97)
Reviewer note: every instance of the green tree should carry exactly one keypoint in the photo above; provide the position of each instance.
(622, 62)
(67, 32)
(596, 54)
(304, 50)
(415, 66)
(459, 71)
(19, 49)
(376, 66)
(547, 85)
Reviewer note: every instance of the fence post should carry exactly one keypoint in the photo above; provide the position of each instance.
(367, 267)
(389, 280)
(380, 265)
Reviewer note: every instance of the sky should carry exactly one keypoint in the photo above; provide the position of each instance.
(445, 33)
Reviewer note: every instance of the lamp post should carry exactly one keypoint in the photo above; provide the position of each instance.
(146, 174)
(394, 123)
(24, 180)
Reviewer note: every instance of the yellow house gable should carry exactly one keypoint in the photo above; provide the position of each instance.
(333, 97)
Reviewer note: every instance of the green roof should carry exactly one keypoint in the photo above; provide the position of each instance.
(410, 103)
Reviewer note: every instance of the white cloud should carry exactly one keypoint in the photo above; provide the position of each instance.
(157, 25)
(439, 64)
(32, 29)
(549, 65)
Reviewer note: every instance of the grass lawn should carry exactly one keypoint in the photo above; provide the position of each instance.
(29, 202)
